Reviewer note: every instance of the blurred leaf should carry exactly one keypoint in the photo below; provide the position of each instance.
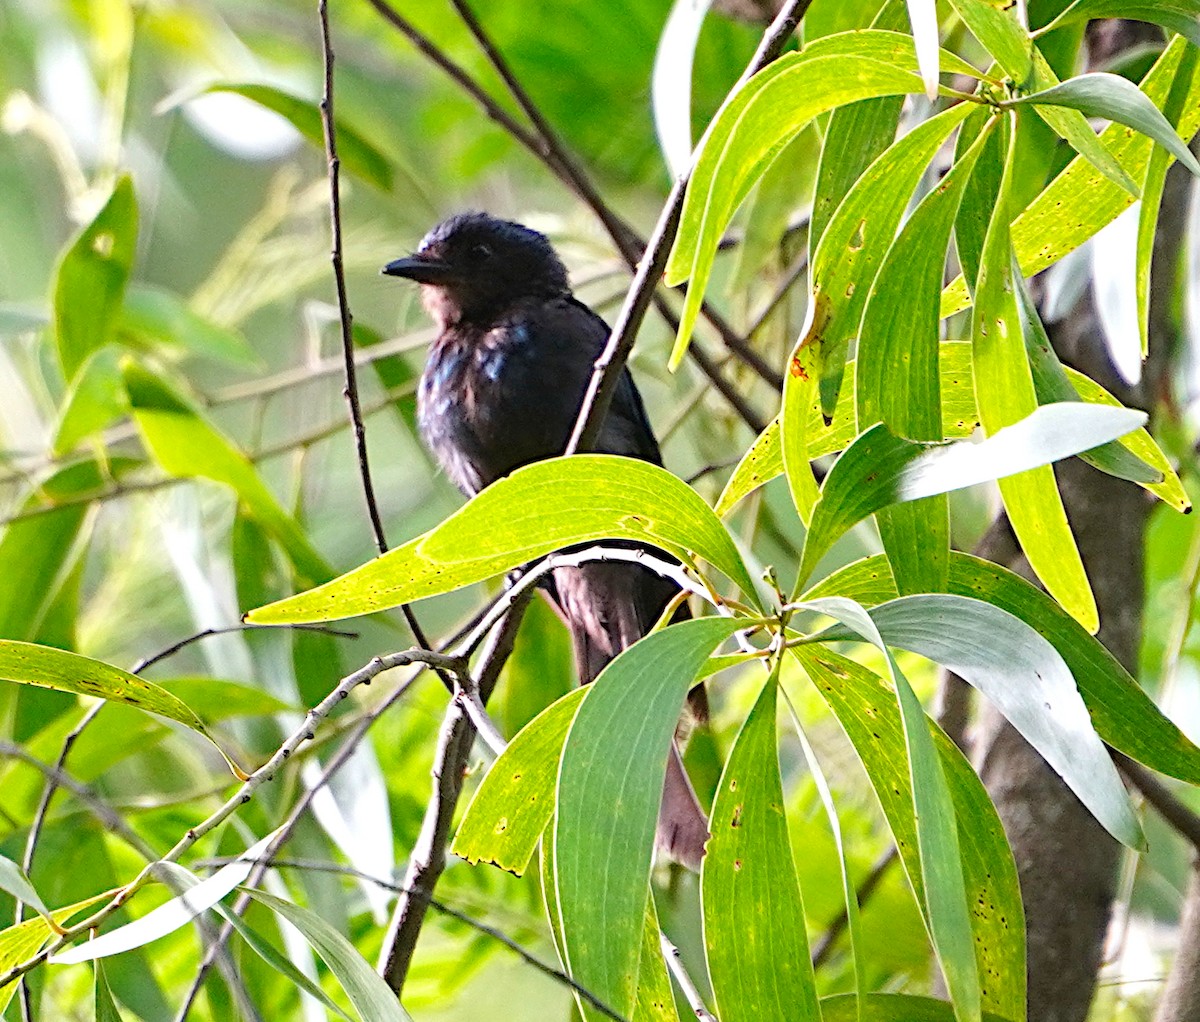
(15, 882)
(168, 917)
(515, 801)
(1115, 98)
(866, 708)
(89, 283)
(1123, 715)
(157, 315)
(539, 671)
(758, 955)
(95, 399)
(277, 960)
(186, 446)
(21, 942)
(923, 15)
(892, 1008)
(21, 319)
(880, 468)
(106, 1007)
(540, 508)
(215, 699)
(1026, 679)
(1182, 16)
(1081, 200)
(357, 154)
(363, 985)
(615, 755)
(671, 82)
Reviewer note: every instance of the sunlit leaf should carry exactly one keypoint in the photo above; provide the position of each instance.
(14, 881)
(515, 801)
(538, 509)
(671, 82)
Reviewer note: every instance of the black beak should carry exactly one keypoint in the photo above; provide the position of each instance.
(424, 271)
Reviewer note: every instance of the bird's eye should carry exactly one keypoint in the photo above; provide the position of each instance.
(480, 252)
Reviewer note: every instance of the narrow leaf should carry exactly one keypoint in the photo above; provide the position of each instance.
(366, 989)
(923, 15)
(543, 507)
(1027, 681)
(515, 801)
(671, 82)
(89, 283)
(615, 756)
(1182, 16)
(754, 930)
(880, 468)
(15, 882)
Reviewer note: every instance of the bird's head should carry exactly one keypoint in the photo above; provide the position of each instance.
(473, 267)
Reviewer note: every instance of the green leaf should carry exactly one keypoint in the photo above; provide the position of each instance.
(1110, 96)
(19, 318)
(15, 882)
(1182, 16)
(880, 468)
(357, 154)
(866, 707)
(941, 866)
(46, 667)
(366, 989)
(857, 240)
(277, 960)
(89, 283)
(615, 756)
(153, 314)
(186, 446)
(655, 997)
(1123, 715)
(898, 381)
(923, 15)
(95, 399)
(538, 509)
(214, 699)
(754, 931)
(893, 1008)
(763, 461)
(515, 801)
(1080, 201)
(1004, 393)
(106, 1007)
(755, 125)
(1026, 679)
(1052, 384)
(21, 942)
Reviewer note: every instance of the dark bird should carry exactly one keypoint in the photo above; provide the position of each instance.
(502, 388)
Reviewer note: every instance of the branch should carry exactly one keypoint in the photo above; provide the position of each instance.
(427, 860)
(244, 792)
(675, 964)
(339, 277)
(610, 363)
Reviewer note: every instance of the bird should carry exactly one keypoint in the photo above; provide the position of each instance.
(501, 388)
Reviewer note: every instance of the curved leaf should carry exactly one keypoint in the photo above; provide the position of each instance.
(754, 930)
(615, 756)
(671, 82)
(1026, 679)
(538, 509)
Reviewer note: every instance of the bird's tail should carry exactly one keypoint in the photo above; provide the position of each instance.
(608, 607)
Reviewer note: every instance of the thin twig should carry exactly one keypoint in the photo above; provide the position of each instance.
(243, 627)
(339, 277)
(686, 984)
(1175, 812)
(245, 791)
(612, 360)
(427, 860)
